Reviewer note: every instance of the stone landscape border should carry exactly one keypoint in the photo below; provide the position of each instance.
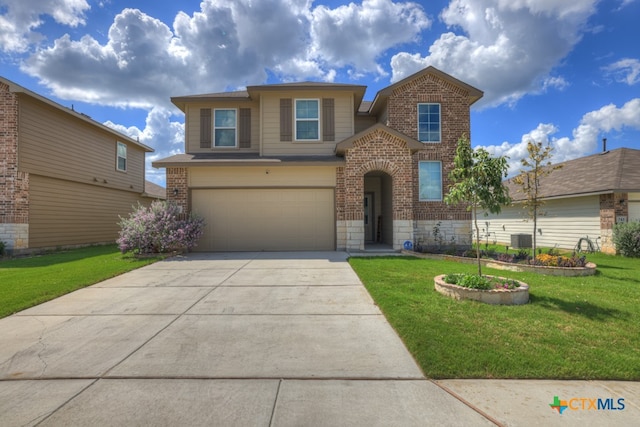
(588, 270)
(517, 296)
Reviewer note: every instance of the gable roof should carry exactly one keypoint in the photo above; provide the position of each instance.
(345, 144)
(382, 95)
(606, 172)
(361, 107)
(16, 88)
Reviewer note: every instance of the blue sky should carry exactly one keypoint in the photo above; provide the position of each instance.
(563, 72)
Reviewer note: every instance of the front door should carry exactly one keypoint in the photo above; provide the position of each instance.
(369, 221)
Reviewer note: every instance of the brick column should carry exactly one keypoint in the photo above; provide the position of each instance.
(178, 187)
(14, 185)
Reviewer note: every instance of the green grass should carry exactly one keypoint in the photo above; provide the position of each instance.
(25, 282)
(572, 328)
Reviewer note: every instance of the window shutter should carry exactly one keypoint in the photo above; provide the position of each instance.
(328, 120)
(286, 125)
(205, 128)
(244, 133)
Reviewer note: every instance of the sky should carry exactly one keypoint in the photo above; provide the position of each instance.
(563, 72)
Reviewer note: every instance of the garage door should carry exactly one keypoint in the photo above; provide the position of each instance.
(266, 219)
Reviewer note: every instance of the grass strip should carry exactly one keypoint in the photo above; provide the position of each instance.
(25, 282)
(572, 328)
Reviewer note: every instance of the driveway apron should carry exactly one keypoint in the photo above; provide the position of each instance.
(247, 339)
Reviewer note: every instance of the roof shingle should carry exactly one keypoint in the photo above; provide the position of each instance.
(610, 171)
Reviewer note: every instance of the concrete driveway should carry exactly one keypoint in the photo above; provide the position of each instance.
(250, 339)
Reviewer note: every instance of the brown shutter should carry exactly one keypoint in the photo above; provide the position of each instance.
(286, 118)
(205, 128)
(328, 120)
(244, 134)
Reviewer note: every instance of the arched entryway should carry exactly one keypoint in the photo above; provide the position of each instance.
(378, 210)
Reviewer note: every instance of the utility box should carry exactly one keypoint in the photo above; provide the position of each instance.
(521, 241)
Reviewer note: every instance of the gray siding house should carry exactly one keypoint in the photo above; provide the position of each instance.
(586, 197)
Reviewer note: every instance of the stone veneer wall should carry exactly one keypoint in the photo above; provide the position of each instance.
(14, 185)
(459, 230)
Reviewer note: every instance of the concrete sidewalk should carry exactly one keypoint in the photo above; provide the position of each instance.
(264, 339)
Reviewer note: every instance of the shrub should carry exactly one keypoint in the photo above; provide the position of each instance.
(505, 257)
(474, 281)
(160, 228)
(626, 237)
(3, 246)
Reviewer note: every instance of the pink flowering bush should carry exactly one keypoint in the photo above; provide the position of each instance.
(160, 228)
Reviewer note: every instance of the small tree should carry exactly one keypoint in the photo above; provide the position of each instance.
(477, 181)
(535, 166)
(160, 228)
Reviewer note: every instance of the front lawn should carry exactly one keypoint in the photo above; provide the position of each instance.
(25, 282)
(572, 328)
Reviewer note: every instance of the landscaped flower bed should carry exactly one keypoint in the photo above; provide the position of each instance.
(589, 268)
(487, 289)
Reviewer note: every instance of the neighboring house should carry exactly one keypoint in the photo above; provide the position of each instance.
(585, 197)
(311, 166)
(64, 178)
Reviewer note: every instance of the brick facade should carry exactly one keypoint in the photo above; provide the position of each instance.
(178, 179)
(14, 185)
(610, 209)
(382, 151)
(455, 122)
(377, 151)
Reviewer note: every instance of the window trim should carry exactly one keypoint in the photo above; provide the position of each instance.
(420, 181)
(295, 120)
(428, 123)
(118, 156)
(214, 127)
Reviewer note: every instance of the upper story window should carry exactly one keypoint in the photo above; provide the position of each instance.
(429, 123)
(430, 181)
(121, 157)
(307, 119)
(224, 128)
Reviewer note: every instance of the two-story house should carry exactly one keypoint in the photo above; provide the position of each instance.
(311, 166)
(64, 178)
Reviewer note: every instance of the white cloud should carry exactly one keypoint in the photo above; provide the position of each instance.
(585, 138)
(626, 70)
(356, 34)
(225, 45)
(161, 133)
(554, 82)
(507, 48)
(22, 17)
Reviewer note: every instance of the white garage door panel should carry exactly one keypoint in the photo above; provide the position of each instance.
(266, 219)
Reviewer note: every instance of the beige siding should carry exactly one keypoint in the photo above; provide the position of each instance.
(364, 122)
(565, 222)
(192, 125)
(272, 146)
(634, 206)
(58, 145)
(69, 213)
(266, 219)
(262, 176)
